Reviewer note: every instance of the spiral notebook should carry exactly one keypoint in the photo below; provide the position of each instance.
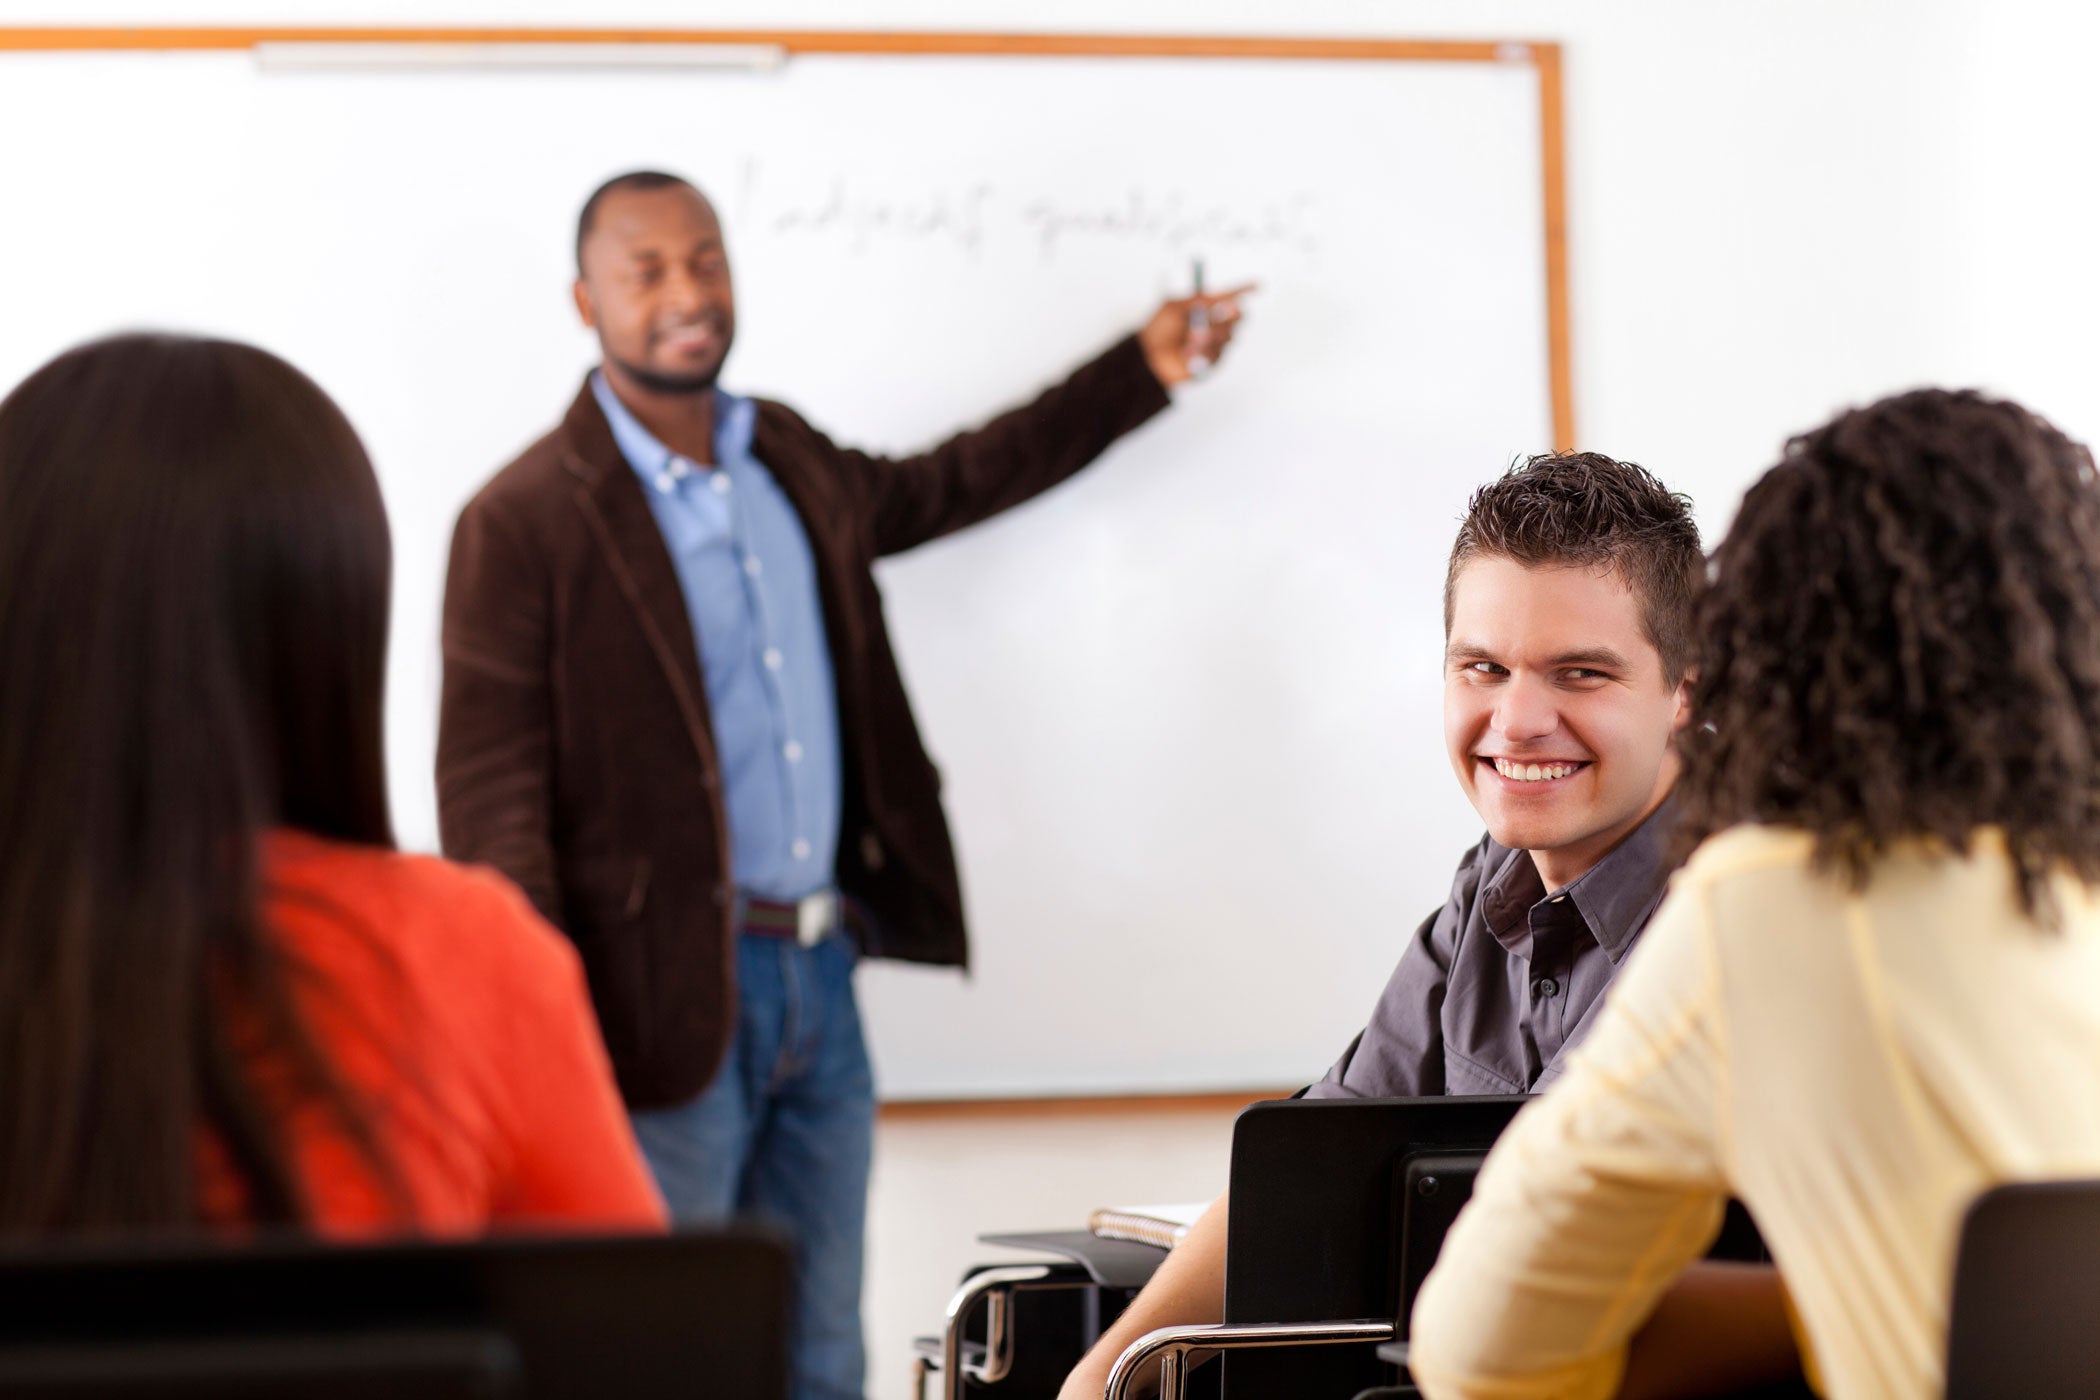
(1159, 1226)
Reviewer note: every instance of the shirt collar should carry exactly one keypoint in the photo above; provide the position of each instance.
(1615, 897)
(735, 422)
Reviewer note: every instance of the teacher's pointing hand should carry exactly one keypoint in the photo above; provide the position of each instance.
(1186, 335)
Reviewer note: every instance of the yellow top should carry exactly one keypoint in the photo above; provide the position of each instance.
(1854, 1067)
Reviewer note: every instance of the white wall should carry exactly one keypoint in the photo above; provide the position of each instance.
(2017, 187)
(941, 1182)
(1770, 204)
(1775, 209)
(1264, 560)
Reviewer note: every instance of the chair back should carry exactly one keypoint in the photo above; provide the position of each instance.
(556, 1318)
(2025, 1315)
(1338, 1207)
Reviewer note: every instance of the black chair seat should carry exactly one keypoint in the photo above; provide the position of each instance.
(2026, 1294)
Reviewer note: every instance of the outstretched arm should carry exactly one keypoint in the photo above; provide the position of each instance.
(1722, 1328)
(1027, 450)
(1188, 1290)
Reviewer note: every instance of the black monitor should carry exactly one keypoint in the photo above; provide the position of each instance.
(699, 1313)
(1339, 1207)
(1324, 1192)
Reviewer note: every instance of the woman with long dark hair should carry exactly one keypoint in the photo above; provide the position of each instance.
(1870, 994)
(225, 1001)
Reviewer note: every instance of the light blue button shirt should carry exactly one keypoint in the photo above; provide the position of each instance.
(750, 588)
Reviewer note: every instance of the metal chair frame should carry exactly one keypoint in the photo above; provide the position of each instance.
(995, 1287)
(1171, 1347)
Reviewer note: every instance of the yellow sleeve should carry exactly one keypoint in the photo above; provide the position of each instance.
(1598, 1195)
(1810, 1371)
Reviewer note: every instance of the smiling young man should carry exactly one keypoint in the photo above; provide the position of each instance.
(1567, 620)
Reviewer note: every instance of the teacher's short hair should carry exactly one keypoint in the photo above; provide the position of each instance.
(630, 180)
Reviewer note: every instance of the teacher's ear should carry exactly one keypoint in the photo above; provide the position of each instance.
(584, 308)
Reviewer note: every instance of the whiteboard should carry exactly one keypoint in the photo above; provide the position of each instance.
(1187, 706)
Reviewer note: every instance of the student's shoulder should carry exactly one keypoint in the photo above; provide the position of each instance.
(1747, 854)
(1750, 847)
(485, 914)
(469, 919)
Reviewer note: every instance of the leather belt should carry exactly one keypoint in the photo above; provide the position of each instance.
(809, 920)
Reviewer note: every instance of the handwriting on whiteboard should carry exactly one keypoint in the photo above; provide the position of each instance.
(983, 215)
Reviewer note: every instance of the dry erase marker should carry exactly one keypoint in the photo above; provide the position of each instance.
(1199, 319)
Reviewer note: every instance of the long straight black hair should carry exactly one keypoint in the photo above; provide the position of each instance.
(194, 579)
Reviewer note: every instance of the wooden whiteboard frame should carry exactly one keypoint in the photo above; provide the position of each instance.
(1544, 57)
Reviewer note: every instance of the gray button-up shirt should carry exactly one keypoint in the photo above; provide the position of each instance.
(1496, 986)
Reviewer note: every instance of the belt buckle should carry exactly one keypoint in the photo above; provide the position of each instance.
(816, 916)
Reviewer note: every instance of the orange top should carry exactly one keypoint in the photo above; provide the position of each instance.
(461, 1021)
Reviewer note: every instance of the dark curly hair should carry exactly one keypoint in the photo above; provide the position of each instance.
(1578, 509)
(1901, 638)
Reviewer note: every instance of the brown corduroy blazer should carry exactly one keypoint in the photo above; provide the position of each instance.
(575, 752)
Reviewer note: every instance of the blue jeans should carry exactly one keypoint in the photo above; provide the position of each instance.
(785, 1135)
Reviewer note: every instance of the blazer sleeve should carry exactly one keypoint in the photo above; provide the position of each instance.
(1021, 453)
(495, 714)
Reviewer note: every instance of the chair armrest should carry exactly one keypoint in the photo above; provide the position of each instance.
(997, 1286)
(959, 1361)
(1171, 1346)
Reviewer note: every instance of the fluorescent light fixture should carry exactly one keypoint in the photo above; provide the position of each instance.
(514, 57)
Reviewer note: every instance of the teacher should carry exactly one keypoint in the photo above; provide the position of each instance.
(671, 713)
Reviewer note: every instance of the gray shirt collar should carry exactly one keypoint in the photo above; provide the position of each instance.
(1614, 897)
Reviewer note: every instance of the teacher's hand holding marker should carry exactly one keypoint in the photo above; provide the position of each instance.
(1185, 337)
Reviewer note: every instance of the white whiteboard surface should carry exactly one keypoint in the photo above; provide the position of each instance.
(1186, 705)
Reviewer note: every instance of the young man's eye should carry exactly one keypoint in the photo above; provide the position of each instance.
(1584, 674)
(1485, 668)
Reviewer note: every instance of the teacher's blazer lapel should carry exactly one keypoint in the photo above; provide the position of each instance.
(609, 498)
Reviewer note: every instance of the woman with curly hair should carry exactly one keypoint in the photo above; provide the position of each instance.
(226, 1002)
(1870, 994)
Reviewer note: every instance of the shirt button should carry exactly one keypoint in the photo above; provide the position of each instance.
(752, 567)
(1544, 988)
(773, 658)
(800, 848)
(793, 751)
(720, 482)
